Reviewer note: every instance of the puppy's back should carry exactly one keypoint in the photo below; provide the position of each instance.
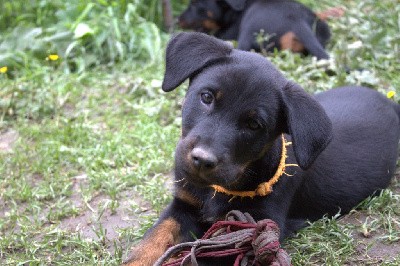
(361, 157)
(355, 106)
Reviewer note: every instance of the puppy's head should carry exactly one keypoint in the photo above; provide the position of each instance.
(236, 106)
(208, 15)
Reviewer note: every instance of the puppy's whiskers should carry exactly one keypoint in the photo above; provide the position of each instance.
(249, 172)
(180, 180)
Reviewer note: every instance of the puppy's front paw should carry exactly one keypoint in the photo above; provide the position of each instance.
(139, 257)
(156, 242)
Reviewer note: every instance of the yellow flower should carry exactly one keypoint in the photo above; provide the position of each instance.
(53, 57)
(390, 94)
(3, 69)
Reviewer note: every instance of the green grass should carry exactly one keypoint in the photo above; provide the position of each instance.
(111, 126)
(351, 238)
(95, 141)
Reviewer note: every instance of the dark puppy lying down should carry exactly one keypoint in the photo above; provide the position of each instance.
(236, 110)
(287, 24)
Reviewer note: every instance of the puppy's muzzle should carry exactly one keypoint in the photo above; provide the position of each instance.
(203, 160)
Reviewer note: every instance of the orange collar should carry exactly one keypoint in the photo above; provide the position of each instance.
(264, 188)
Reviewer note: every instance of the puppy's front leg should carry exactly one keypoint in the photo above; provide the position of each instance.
(178, 223)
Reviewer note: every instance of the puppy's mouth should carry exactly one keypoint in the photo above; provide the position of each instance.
(200, 165)
(223, 175)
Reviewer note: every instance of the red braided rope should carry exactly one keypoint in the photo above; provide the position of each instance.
(238, 236)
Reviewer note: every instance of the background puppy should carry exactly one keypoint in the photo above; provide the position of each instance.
(283, 24)
(221, 18)
(236, 109)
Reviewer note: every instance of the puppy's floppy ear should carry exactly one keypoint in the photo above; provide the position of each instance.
(237, 5)
(188, 53)
(307, 123)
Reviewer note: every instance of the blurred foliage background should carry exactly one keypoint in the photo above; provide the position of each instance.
(82, 33)
(90, 33)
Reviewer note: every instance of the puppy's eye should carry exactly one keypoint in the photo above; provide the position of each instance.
(207, 98)
(253, 124)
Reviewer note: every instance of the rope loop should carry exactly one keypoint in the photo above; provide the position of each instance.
(238, 237)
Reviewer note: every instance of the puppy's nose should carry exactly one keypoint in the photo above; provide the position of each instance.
(203, 159)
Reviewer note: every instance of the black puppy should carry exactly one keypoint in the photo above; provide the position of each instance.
(237, 109)
(286, 24)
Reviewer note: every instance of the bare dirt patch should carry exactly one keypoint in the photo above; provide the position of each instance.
(7, 140)
(96, 218)
(372, 248)
(97, 221)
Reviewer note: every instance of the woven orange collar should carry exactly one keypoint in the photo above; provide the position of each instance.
(264, 188)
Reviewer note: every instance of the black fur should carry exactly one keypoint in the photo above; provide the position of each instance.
(236, 108)
(242, 20)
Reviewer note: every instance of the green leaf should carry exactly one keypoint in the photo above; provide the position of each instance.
(81, 30)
